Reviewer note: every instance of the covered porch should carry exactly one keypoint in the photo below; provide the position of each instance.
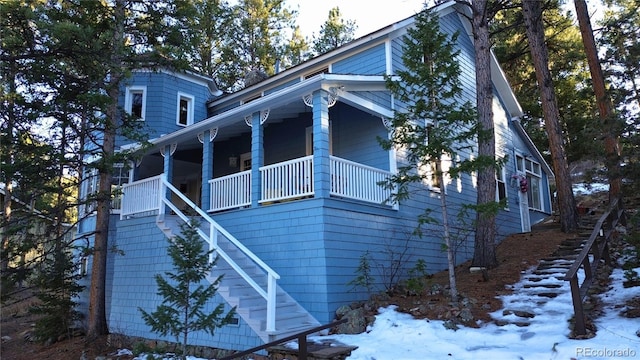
(322, 144)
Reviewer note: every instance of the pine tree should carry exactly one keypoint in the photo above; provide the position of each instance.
(184, 297)
(254, 41)
(334, 32)
(532, 13)
(436, 123)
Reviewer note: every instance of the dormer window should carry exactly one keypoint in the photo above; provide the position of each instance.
(136, 101)
(185, 110)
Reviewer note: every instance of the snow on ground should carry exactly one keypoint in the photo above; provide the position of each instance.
(588, 188)
(398, 336)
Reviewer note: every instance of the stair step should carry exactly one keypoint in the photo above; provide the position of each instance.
(282, 311)
(291, 318)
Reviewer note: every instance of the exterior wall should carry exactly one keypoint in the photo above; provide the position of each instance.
(368, 62)
(134, 287)
(354, 136)
(162, 100)
(289, 238)
(84, 238)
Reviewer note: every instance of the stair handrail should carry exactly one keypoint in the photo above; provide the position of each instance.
(214, 228)
(302, 341)
(598, 245)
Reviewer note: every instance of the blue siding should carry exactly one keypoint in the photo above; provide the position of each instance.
(162, 101)
(369, 62)
(134, 286)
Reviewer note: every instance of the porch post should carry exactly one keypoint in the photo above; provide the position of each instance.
(207, 169)
(257, 157)
(321, 165)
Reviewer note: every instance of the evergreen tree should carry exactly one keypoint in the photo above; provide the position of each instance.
(254, 41)
(532, 12)
(568, 67)
(49, 55)
(436, 123)
(334, 32)
(202, 31)
(184, 298)
(620, 39)
(297, 49)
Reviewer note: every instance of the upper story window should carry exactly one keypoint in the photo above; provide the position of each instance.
(136, 101)
(184, 115)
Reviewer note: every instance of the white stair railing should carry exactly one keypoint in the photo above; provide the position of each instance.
(159, 192)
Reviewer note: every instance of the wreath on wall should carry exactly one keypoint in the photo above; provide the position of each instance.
(518, 180)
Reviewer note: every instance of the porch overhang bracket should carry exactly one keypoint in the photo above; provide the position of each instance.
(388, 123)
(264, 115)
(213, 132)
(174, 146)
(332, 97)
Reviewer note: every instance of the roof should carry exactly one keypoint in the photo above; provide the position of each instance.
(294, 86)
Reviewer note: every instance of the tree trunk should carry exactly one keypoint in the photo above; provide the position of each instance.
(535, 33)
(451, 258)
(605, 107)
(484, 254)
(97, 320)
(10, 78)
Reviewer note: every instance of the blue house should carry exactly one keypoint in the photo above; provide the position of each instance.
(283, 176)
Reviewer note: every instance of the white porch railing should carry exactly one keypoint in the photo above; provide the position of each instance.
(294, 179)
(141, 197)
(356, 181)
(231, 191)
(286, 180)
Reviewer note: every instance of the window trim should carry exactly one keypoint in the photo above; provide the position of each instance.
(130, 91)
(502, 179)
(190, 108)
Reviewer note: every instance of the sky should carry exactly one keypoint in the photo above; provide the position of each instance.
(369, 15)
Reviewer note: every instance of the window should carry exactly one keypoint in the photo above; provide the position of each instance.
(434, 166)
(136, 101)
(83, 266)
(533, 173)
(309, 140)
(90, 190)
(245, 161)
(120, 177)
(501, 185)
(184, 116)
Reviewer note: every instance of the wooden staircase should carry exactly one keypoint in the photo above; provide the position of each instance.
(291, 317)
